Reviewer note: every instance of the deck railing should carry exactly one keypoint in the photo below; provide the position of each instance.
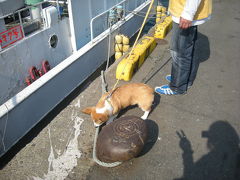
(26, 20)
(108, 14)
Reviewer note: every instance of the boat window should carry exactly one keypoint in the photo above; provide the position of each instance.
(53, 41)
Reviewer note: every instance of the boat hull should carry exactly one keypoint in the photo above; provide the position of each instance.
(22, 112)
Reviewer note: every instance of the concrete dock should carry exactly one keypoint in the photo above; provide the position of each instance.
(194, 136)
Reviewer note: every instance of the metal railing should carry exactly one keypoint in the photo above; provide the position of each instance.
(18, 12)
(103, 13)
(107, 12)
(123, 3)
(24, 16)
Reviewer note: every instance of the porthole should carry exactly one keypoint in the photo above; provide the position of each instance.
(53, 41)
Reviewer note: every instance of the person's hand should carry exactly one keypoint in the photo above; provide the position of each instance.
(184, 23)
(184, 143)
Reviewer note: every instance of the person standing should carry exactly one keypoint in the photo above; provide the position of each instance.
(186, 15)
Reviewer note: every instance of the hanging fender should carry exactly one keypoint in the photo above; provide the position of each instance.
(45, 66)
(34, 73)
(28, 80)
(37, 73)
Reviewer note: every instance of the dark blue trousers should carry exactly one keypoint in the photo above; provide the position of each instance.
(184, 65)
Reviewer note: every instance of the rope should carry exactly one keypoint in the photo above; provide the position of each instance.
(104, 90)
(109, 46)
(139, 33)
(141, 14)
(95, 156)
(150, 17)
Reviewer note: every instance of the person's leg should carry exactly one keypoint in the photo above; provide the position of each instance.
(194, 65)
(182, 46)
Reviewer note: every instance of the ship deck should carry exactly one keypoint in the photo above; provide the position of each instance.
(60, 146)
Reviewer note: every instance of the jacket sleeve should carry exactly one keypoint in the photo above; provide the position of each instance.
(190, 9)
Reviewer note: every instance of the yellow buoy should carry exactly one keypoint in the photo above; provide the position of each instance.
(159, 15)
(129, 64)
(163, 15)
(158, 19)
(168, 19)
(144, 48)
(159, 8)
(164, 9)
(125, 47)
(161, 30)
(125, 39)
(118, 47)
(118, 55)
(127, 67)
(118, 39)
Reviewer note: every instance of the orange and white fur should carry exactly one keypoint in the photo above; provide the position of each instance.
(107, 108)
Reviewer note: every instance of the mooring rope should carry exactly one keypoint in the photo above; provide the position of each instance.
(104, 90)
(95, 158)
(135, 43)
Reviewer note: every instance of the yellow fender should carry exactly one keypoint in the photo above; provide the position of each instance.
(163, 28)
(127, 67)
(144, 48)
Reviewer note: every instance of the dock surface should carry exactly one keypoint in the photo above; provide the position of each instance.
(194, 136)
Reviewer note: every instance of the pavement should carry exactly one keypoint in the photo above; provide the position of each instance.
(193, 136)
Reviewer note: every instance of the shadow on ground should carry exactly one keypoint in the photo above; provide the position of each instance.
(202, 49)
(223, 160)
